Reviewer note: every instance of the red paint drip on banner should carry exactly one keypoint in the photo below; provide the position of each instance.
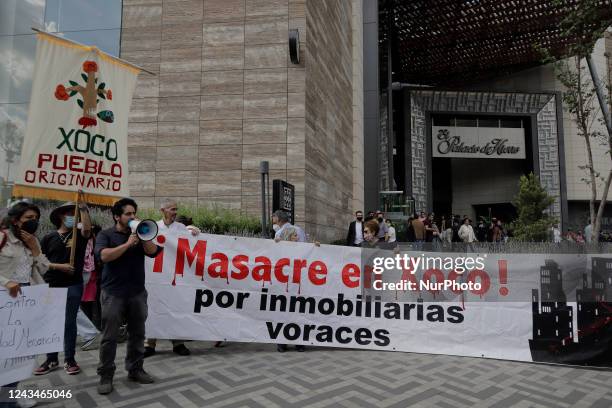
(503, 276)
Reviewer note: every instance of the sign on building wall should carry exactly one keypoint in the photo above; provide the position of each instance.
(478, 142)
(283, 198)
(76, 137)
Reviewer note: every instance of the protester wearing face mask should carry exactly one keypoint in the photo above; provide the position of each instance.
(280, 220)
(383, 229)
(21, 261)
(57, 246)
(355, 230)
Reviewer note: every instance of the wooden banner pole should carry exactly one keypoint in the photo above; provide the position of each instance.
(75, 230)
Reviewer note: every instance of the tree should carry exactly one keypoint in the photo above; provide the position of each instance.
(10, 142)
(533, 223)
(584, 99)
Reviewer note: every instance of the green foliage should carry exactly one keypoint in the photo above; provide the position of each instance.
(532, 201)
(214, 220)
(583, 25)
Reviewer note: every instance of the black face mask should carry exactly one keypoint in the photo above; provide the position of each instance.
(359, 218)
(380, 219)
(30, 226)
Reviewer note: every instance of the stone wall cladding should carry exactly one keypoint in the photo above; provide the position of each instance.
(542, 105)
(329, 118)
(225, 96)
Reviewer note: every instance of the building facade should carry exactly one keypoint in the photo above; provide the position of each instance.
(357, 113)
(426, 78)
(225, 94)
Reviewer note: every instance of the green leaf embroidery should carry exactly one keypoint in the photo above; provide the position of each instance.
(102, 85)
(72, 93)
(84, 76)
(80, 102)
(72, 83)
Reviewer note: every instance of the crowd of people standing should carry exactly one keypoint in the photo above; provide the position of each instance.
(421, 229)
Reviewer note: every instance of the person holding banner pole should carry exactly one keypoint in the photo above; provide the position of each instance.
(123, 295)
(65, 248)
(168, 223)
(21, 260)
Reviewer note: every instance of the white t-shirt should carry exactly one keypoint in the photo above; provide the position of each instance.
(175, 227)
(358, 232)
(300, 232)
(391, 233)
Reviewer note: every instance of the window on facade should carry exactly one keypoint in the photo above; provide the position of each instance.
(16, 67)
(17, 17)
(90, 22)
(82, 15)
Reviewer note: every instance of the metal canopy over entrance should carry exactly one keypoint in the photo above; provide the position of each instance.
(446, 42)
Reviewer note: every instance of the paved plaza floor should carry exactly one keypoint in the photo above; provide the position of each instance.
(256, 375)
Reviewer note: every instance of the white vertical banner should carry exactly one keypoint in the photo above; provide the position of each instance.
(76, 137)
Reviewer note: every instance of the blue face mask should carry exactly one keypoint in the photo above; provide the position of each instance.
(69, 221)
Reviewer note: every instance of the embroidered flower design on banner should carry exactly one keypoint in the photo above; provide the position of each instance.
(90, 94)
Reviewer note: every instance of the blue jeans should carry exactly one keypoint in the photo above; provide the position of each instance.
(73, 301)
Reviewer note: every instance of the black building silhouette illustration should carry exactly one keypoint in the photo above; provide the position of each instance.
(553, 335)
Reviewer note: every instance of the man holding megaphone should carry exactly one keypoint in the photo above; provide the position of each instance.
(122, 249)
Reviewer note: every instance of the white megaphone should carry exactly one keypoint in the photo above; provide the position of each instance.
(145, 229)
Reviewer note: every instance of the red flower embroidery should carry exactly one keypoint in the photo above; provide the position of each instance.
(60, 93)
(109, 95)
(90, 66)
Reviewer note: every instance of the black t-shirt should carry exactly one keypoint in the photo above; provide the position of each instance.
(56, 251)
(125, 276)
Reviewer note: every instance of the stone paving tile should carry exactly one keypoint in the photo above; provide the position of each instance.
(256, 376)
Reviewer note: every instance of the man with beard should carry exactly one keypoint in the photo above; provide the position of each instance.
(123, 294)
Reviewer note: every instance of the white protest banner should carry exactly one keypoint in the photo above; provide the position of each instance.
(529, 307)
(33, 322)
(16, 369)
(76, 136)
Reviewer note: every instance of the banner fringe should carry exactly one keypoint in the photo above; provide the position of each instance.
(20, 191)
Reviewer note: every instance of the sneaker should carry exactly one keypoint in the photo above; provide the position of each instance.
(149, 351)
(46, 367)
(181, 350)
(105, 386)
(71, 367)
(91, 344)
(141, 377)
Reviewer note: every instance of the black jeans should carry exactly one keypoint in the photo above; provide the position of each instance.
(74, 294)
(115, 311)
